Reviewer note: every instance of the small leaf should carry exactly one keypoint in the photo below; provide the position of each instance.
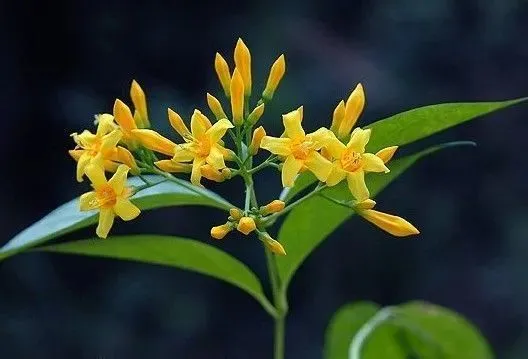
(169, 251)
(68, 217)
(312, 221)
(418, 123)
(412, 330)
(345, 323)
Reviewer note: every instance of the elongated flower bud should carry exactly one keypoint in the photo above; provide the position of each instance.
(394, 225)
(272, 207)
(140, 104)
(258, 135)
(216, 107)
(276, 73)
(219, 232)
(237, 98)
(387, 153)
(353, 108)
(243, 63)
(337, 118)
(222, 71)
(178, 124)
(236, 213)
(273, 245)
(246, 225)
(155, 142)
(255, 115)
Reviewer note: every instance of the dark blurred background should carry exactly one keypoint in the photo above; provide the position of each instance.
(64, 61)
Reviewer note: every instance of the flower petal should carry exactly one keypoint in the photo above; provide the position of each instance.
(154, 141)
(357, 185)
(218, 130)
(83, 161)
(105, 124)
(336, 176)
(290, 169)
(372, 163)
(278, 146)
(216, 158)
(199, 124)
(110, 141)
(292, 125)
(88, 201)
(106, 220)
(96, 175)
(123, 116)
(320, 137)
(334, 146)
(124, 156)
(358, 140)
(319, 166)
(172, 166)
(118, 180)
(126, 210)
(182, 153)
(211, 173)
(196, 173)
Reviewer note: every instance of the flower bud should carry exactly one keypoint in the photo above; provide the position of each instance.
(255, 115)
(353, 108)
(258, 135)
(222, 71)
(140, 104)
(276, 73)
(337, 118)
(246, 225)
(226, 173)
(211, 173)
(365, 204)
(243, 63)
(237, 98)
(273, 245)
(386, 153)
(178, 124)
(394, 225)
(216, 107)
(236, 213)
(219, 232)
(155, 142)
(272, 207)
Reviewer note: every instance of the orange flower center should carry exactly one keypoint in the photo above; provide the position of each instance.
(106, 196)
(351, 161)
(301, 150)
(202, 147)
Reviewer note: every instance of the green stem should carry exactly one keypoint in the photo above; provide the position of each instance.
(281, 306)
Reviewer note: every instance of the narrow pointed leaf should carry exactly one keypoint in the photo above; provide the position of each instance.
(68, 217)
(413, 125)
(313, 220)
(169, 251)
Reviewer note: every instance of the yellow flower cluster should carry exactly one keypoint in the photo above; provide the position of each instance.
(124, 142)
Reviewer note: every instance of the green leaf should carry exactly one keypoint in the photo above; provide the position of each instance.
(412, 330)
(68, 217)
(311, 222)
(418, 123)
(345, 323)
(170, 251)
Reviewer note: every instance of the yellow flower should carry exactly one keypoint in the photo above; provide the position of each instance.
(299, 149)
(276, 73)
(246, 225)
(103, 145)
(222, 71)
(345, 119)
(351, 162)
(256, 140)
(109, 197)
(140, 105)
(394, 225)
(202, 146)
(243, 64)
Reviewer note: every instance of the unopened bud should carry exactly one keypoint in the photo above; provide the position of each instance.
(140, 104)
(394, 225)
(337, 117)
(237, 98)
(272, 207)
(386, 153)
(226, 173)
(246, 225)
(365, 204)
(219, 232)
(256, 114)
(273, 245)
(243, 63)
(216, 107)
(258, 135)
(211, 173)
(236, 213)
(276, 73)
(353, 108)
(222, 71)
